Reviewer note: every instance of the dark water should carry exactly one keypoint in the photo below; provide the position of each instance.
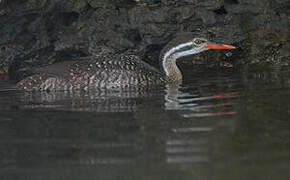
(217, 126)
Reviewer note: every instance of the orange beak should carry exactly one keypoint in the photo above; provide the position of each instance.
(219, 46)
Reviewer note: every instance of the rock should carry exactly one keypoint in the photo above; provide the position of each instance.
(99, 4)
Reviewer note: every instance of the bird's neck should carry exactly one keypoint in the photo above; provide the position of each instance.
(169, 65)
(171, 69)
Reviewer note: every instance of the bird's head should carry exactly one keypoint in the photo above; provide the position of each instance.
(182, 46)
(202, 44)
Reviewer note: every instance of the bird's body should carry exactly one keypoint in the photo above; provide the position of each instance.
(115, 71)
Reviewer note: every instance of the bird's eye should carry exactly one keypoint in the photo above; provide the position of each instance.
(199, 41)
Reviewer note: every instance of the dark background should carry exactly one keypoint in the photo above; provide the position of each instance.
(45, 31)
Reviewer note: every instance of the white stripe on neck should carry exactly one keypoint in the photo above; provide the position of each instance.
(186, 53)
(171, 51)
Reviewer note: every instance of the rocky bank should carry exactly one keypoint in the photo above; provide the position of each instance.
(40, 32)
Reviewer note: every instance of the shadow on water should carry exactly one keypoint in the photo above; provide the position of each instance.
(215, 126)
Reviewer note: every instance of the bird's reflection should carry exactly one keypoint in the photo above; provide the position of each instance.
(92, 101)
(171, 97)
(176, 98)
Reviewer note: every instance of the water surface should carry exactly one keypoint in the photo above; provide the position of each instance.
(217, 125)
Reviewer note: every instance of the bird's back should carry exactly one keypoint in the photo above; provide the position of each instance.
(109, 72)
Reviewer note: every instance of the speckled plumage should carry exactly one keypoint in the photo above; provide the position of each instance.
(108, 72)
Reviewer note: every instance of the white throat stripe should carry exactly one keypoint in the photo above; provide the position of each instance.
(186, 53)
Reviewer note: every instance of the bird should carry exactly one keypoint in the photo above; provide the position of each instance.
(117, 72)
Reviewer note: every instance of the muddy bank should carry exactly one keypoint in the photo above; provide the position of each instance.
(35, 33)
